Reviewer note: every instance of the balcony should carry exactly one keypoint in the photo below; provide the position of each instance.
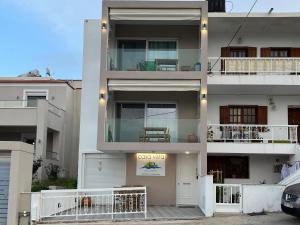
(267, 134)
(253, 66)
(162, 60)
(252, 139)
(153, 130)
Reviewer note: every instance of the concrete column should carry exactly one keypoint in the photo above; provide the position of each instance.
(41, 132)
(90, 92)
(203, 101)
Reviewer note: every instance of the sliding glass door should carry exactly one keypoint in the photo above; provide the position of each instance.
(144, 121)
(162, 116)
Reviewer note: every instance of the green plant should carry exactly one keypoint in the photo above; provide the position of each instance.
(67, 183)
(52, 171)
(37, 163)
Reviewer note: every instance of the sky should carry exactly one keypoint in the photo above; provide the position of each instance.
(36, 34)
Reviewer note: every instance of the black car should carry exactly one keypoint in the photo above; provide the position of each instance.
(290, 201)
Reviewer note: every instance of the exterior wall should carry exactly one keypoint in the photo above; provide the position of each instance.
(279, 116)
(250, 35)
(90, 92)
(260, 169)
(253, 195)
(160, 190)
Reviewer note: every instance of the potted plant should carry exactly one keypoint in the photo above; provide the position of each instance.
(86, 201)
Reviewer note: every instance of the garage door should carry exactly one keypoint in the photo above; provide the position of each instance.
(4, 182)
(105, 170)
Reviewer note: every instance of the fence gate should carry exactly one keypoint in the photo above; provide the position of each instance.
(228, 198)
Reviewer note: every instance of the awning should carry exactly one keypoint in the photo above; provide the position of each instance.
(154, 85)
(155, 14)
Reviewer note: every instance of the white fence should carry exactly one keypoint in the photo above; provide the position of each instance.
(228, 197)
(252, 133)
(253, 66)
(248, 198)
(93, 203)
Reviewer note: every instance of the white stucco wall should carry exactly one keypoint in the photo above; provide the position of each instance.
(90, 91)
(261, 168)
(278, 116)
(254, 194)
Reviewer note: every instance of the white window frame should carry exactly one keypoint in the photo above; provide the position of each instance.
(34, 92)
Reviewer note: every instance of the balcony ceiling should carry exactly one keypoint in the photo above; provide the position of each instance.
(232, 89)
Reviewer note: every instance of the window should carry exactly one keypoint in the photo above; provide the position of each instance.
(238, 52)
(162, 50)
(31, 97)
(234, 167)
(242, 114)
(32, 100)
(280, 52)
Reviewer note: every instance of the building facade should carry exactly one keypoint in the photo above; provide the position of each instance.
(45, 113)
(166, 101)
(144, 99)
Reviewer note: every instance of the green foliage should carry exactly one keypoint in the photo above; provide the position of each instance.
(67, 183)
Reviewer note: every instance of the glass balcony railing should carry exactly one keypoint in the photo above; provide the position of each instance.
(161, 60)
(153, 130)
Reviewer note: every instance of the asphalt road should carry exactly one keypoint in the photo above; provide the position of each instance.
(269, 219)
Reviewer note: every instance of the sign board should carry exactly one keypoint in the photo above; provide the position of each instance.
(148, 164)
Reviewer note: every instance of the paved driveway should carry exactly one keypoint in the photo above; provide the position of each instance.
(270, 219)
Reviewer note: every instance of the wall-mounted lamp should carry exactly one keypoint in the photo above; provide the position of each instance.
(101, 96)
(203, 97)
(103, 25)
(204, 26)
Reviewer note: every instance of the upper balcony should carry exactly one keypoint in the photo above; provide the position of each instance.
(147, 40)
(27, 112)
(245, 66)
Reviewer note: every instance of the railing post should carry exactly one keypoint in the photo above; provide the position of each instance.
(272, 134)
(112, 204)
(77, 204)
(145, 210)
(41, 208)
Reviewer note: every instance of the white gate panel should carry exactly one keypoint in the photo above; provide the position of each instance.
(4, 188)
(228, 198)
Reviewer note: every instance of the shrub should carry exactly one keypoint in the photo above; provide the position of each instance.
(67, 183)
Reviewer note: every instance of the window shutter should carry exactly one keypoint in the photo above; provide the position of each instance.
(295, 52)
(265, 52)
(225, 52)
(252, 52)
(262, 115)
(224, 115)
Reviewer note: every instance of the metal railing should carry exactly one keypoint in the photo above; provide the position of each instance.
(106, 203)
(253, 66)
(228, 197)
(153, 130)
(252, 133)
(162, 60)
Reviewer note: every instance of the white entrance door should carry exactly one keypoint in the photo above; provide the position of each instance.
(186, 179)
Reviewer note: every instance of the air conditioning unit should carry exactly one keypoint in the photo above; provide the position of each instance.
(216, 5)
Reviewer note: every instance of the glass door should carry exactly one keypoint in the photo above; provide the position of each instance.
(130, 121)
(163, 116)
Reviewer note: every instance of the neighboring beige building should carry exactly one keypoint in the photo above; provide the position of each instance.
(44, 112)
